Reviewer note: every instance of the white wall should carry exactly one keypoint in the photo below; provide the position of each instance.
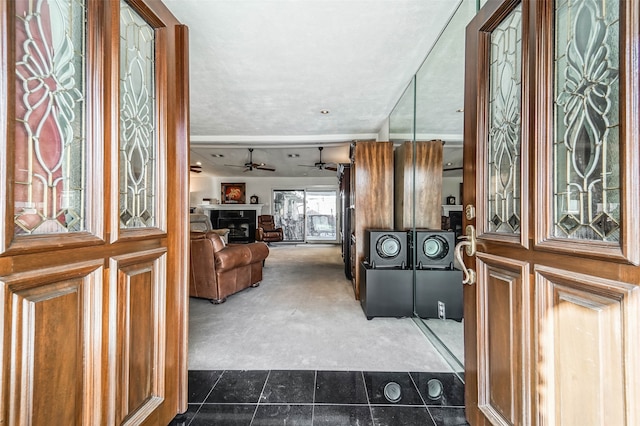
(451, 186)
(383, 133)
(209, 186)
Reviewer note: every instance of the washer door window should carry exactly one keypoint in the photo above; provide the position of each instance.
(435, 247)
(388, 247)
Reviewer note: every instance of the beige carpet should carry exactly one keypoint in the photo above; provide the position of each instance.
(303, 316)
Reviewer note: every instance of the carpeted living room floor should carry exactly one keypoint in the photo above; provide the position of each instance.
(303, 316)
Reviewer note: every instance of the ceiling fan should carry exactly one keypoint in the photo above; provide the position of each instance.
(321, 165)
(250, 165)
(195, 168)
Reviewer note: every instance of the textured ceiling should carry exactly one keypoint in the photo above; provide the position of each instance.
(261, 71)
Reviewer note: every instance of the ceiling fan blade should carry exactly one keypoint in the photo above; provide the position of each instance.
(234, 165)
(321, 165)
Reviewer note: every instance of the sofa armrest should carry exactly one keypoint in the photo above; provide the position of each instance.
(202, 269)
(259, 251)
(232, 257)
(223, 232)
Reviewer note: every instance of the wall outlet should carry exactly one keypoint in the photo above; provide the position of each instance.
(441, 310)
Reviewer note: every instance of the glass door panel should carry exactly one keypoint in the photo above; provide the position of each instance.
(50, 104)
(138, 141)
(586, 151)
(502, 198)
(321, 209)
(288, 213)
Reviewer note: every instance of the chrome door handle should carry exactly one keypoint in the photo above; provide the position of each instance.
(469, 244)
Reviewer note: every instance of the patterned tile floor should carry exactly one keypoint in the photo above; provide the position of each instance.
(331, 398)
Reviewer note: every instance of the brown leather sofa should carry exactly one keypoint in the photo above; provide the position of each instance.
(218, 270)
(267, 230)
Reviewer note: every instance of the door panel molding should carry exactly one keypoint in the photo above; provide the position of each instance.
(599, 316)
(137, 305)
(66, 358)
(503, 343)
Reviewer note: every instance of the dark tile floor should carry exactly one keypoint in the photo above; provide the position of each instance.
(331, 398)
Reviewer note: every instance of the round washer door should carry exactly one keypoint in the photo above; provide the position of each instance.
(388, 247)
(435, 247)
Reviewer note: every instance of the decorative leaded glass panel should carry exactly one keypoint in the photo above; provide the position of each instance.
(138, 147)
(505, 105)
(49, 188)
(586, 154)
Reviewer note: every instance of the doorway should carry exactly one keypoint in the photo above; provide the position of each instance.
(321, 215)
(306, 215)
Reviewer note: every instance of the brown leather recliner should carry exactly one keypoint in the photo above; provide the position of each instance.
(201, 222)
(218, 270)
(267, 230)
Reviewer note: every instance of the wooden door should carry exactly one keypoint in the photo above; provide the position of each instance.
(552, 168)
(93, 200)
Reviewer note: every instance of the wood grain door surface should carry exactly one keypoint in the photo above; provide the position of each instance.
(552, 167)
(93, 246)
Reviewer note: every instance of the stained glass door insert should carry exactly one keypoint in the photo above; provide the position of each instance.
(505, 104)
(50, 145)
(586, 151)
(138, 144)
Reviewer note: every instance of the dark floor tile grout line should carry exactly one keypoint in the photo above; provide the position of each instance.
(205, 398)
(417, 389)
(331, 404)
(214, 385)
(366, 392)
(235, 403)
(422, 398)
(264, 386)
(313, 399)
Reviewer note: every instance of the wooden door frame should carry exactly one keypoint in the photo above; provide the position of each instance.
(28, 259)
(609, 274)
(476, 120)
